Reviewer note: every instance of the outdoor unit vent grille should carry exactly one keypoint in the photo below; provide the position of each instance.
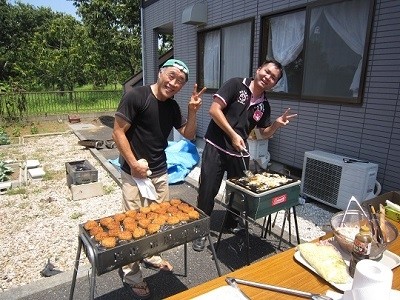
(329, 179)
(323, 181)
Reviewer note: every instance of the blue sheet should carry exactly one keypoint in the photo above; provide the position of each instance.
(182, 157)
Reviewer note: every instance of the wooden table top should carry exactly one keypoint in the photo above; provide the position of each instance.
(281, 270)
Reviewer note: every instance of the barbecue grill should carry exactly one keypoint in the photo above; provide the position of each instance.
(257, 201)
(104, 260)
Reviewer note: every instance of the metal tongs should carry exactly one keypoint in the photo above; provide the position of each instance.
(233, 282)
(247, 172)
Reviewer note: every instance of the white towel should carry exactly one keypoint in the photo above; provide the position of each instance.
(146, 188)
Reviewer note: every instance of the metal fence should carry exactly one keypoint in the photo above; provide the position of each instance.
(30, 104)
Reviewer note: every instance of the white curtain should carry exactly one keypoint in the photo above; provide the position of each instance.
(236, 46)
(287, 41)
(349, 20)
(212, 59)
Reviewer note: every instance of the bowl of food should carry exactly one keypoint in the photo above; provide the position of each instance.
(345, 226)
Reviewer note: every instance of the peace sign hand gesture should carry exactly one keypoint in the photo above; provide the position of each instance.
(195, 100)
(285, 118)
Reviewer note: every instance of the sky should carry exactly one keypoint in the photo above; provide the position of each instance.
(63, 6)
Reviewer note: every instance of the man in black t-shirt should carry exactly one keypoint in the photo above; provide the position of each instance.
(238, 106)
(143, 122)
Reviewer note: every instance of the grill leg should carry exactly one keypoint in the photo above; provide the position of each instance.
(78, 255)
(185, 259)
(244, 217)
(214, 254)
(282, 230)
(225, 218)
(266, 226)
(290, 224)
(92, 283)
(296, 225)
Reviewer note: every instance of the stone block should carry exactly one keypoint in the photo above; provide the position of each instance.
(88, 190)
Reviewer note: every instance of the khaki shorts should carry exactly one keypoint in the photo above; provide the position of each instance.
(131, 198)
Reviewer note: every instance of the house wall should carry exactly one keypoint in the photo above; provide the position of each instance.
(370, 131)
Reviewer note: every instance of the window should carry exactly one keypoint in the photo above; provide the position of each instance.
(225, 53)
(322, 48)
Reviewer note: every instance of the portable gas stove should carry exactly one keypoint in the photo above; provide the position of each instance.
(169, 236)
(258, 196)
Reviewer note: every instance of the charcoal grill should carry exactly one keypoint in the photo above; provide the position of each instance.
(253, 203)
(104, 260)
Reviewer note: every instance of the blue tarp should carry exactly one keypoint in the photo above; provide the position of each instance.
(182, 157)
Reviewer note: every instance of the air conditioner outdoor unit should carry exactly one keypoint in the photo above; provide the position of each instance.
(333, 179)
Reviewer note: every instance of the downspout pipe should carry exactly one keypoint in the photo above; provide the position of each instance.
(142, 42)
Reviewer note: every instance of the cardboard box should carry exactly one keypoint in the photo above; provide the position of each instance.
(258, 148)
(393, 196)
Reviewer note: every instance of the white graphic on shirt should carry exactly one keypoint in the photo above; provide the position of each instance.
(243, 96)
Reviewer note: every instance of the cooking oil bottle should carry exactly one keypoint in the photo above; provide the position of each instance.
(361, 247)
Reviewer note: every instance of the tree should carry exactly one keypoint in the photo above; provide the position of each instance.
(43, 49)
(60, 53)
(115, 27)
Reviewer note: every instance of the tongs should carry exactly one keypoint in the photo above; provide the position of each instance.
(246, 172)
(233, 282)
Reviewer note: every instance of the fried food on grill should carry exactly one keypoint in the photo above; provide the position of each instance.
(159, 220)
(175, 201)
(131, 213)
(100, 236)
(125, 235)
(114, 232)
(154, 205)
(182, 216)
(119, 217)
(96, 230)
(90, 224)
(145, 209)
(153, 228)
(161, 210)
(194, 215)
(138, 233)
(165, 204)
(109, 242)
(144, 223)
(185, 207)
(128, 220)
(105, 221)
(112, 225)
(130, 226)
(140, 216)
(152, 215)
(172, 209)
(172, 220)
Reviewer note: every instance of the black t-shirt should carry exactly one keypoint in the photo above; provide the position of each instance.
(151, 123)
(240, 115)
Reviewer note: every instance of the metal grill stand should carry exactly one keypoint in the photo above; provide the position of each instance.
(84, 243)
(262, 205)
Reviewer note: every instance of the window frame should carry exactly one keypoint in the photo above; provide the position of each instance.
(263, 50)
(200, 51)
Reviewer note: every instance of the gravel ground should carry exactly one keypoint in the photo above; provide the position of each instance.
(40, 220)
